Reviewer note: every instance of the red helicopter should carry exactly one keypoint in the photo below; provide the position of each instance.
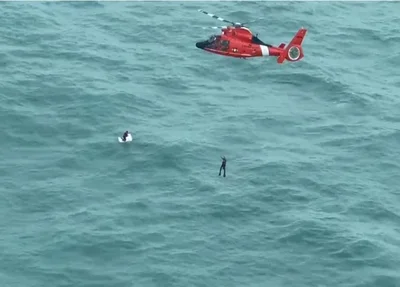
(239, 42)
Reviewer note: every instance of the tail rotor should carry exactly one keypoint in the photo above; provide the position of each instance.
(293, 52)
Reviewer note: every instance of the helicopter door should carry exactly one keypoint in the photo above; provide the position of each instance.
(224, 45)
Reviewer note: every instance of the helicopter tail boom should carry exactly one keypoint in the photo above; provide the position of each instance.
(293, 51)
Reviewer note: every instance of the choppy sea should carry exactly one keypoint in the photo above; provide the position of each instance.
(311, 194)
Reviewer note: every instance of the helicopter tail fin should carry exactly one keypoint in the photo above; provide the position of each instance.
(293, 51)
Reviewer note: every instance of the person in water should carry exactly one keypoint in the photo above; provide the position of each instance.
(223, 166)
(125, 136)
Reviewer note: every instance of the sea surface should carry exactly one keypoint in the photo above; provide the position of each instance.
(311, 194)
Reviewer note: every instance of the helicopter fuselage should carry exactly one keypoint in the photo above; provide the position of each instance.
(239, 43)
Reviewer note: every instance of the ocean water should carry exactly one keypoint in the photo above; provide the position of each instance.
(311, 197)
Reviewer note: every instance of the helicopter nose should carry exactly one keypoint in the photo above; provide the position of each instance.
(201, 45)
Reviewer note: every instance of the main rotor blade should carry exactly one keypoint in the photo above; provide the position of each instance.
(216, 28)
(252, 21)
(218, 18)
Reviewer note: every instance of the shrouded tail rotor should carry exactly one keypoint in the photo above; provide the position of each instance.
(293, 52)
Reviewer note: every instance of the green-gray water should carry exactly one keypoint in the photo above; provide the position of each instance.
(311, 197)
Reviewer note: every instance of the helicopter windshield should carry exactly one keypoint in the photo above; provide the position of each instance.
(212, 39)
(213, 42)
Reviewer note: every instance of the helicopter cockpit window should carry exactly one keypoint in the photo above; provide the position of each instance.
(225, 45)
(211, 39)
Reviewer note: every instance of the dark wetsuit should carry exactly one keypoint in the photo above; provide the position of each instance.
(125, 136)
(223, 166)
